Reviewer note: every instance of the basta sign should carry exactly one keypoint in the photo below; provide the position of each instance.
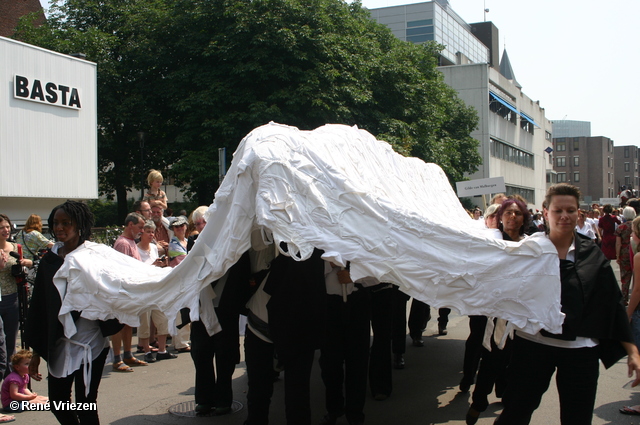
(46, 92)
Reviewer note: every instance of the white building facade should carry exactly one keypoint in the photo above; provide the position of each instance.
(48, 130)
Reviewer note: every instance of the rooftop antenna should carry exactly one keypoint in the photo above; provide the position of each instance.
(485, 10)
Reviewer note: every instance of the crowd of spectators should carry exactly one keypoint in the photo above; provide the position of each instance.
(274, 291)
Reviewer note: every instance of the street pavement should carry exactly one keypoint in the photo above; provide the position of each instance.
(425, 392)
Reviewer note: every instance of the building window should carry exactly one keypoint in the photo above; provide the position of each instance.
(419, 31)
(626, 166)
(527, 194)
(562, 177)
(561, 161)
(561, 145)
(509, 153)
(576, 144)
(547, 135)
(608, 177)
(576, 177)
(500, 107)
(627, 180)
(626, 151)
(526, 125)
(576, 161)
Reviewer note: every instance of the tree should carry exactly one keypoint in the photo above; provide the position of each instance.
(116, 35)
(307, 63)
(198, 75)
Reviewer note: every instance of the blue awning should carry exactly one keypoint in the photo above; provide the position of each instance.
(497, 98)
(528, 118)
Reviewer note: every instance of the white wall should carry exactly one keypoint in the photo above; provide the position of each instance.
(49, 151)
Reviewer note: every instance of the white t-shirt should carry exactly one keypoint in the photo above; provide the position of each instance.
(149, 257)
(69, 354)
(586, 230)
(580, 342)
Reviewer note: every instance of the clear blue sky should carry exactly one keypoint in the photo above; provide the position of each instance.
(579, 58)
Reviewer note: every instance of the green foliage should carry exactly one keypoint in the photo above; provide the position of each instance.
(198, 75)
(105, 213)
(467, 203)
(106, 235)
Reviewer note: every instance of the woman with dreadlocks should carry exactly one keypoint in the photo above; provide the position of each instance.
(81, 357)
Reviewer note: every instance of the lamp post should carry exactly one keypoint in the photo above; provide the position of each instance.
(141, 136)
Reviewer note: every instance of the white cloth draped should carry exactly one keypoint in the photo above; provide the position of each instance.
(338, 189)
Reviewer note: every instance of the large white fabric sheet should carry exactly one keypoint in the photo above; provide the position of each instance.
(338, 189)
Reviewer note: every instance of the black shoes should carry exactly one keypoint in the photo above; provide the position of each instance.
(442, 330)
(165, 356)
(150, 357)
(418, 342)
(222, 410)
(472, 416)
(398, 361)
(465, 386)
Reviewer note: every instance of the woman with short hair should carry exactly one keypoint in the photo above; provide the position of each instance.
(596, 327)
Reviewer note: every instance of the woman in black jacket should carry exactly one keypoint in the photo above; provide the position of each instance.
(595, 328)
(81, 357)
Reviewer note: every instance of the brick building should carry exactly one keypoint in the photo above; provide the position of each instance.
(12, 10)
(626, 167)
(587, 162)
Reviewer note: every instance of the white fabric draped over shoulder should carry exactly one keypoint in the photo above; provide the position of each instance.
(338, 189)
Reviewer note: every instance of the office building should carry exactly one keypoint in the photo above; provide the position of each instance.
(571, 128)
(587, 162)
(514, 134)
(626, 167)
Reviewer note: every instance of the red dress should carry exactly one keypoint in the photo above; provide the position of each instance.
(608, 226)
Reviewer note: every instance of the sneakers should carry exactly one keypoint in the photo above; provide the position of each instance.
(150, 357)
(165, 356)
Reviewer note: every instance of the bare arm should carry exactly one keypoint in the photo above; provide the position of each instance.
(633, 361)
(634, 299)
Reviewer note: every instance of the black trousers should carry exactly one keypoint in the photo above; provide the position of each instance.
(297, 384)
(60, 391)
(473, 348)
(492, 371)
(530, 371)
(212, 390)
(380, 354)
(260, 374)
(419, 316)
(399, 331)
(344, 355)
